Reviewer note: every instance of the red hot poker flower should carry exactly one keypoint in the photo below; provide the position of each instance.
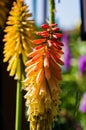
(43, 74)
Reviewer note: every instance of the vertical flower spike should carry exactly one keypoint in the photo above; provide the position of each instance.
(18, 37)
(43, 75)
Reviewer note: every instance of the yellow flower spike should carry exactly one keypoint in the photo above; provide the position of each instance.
(18, 37)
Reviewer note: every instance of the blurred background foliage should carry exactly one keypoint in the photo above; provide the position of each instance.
(73, 84)
(5, 6)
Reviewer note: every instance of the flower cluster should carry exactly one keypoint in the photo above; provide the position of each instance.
(17, 38)
(43, 75)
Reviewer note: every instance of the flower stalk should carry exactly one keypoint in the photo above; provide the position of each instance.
(52, 11)
(18, 116)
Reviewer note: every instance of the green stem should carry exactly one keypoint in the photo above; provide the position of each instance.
(52, 12)
(19, 101)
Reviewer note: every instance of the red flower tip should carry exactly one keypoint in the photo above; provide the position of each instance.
(57, 35)
(45, 26)
(39, 41)
(55, 29)
(43, 33)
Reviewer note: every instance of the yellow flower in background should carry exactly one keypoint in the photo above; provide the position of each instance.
(43, 75)
(18, 37)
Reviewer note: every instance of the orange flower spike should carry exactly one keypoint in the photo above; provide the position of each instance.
(42, 69)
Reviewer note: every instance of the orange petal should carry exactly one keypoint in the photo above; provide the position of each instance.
(47, 73)
(39, 55)
(54, 53)
(29, 62)
(35, 52)
(42, 88)
(43, 33)
(40, 76)
(55, 57)
(39, 46)
(39, 41)
(38, 66)
(54, 65)
(46, 62)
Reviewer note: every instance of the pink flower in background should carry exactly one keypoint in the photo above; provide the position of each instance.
(67, 54)
(82, 64)
(82, 106)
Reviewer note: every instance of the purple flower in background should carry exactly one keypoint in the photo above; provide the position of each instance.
(67, 53)
(82, 64)
(82, 106)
